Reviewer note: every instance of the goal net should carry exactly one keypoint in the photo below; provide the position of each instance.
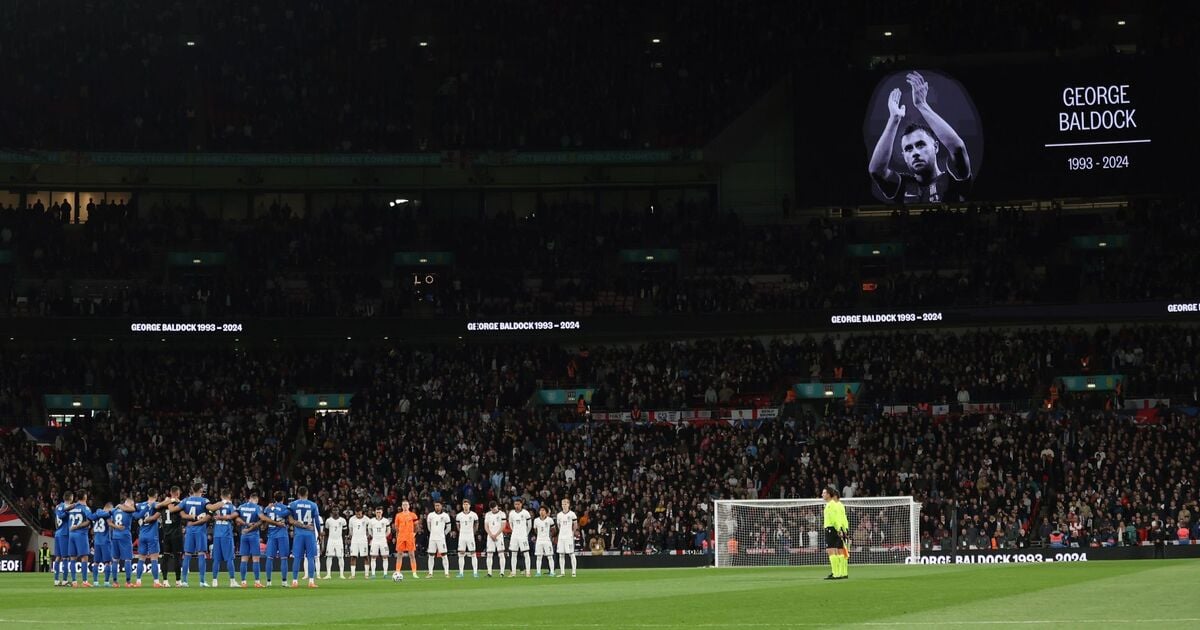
(791, 532)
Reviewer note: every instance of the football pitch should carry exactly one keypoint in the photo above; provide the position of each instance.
(1095, 595)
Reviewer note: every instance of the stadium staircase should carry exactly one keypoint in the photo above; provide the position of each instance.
(765, 491)
(6, 496)
(298, 440)
(1042, 507)
(101, 489)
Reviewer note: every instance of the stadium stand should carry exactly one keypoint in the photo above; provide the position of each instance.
(977, 423)
(438, 422)
(476, 69)
(565, 259)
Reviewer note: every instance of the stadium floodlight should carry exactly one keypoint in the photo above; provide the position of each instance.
(76, 403)
(196, 261)
(790, 532)
(1120, 22)
(828, 391)
(874, 252)
(887, 33)
(655, 41)
(1102, 244)
(422, 44)
(392, 204)
(191, 43)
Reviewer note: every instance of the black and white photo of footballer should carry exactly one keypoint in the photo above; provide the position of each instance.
(925, 180)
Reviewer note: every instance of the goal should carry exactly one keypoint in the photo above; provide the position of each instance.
(791, 532)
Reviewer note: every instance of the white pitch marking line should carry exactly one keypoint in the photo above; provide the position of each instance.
(976, 622)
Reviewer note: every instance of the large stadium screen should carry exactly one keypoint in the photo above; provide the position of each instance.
(914, 135)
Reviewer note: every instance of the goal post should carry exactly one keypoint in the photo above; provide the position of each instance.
(791, 532)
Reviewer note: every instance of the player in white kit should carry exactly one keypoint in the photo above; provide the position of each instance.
(567, 526)
(518, 522)
(493, 526)
(334, 545)
(378, 527)
(439, 525)
(543, 547)
(358, 540)
(467, 521)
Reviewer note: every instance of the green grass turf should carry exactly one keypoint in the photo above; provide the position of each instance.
(1095, 594)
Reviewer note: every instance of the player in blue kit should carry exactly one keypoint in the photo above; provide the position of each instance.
(194, 510)
(225, 517)
(306, 519)
(62, 538)
(121, 525)
(79, 518)
(148, 517)
(249, 523)
(102, 546)
(276, 517)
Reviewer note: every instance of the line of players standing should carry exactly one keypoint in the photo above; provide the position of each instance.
(109, 549)
(292, 531)
(517, 523)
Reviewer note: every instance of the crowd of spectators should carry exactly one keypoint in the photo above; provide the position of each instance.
(33, 475)
(448, 422)
(240, 449)
(933, 367)
(1018, 365)
(1012, 480)
(443, 422)
(320, 76)
(1156, 265)
(564, 259)
(272, 75)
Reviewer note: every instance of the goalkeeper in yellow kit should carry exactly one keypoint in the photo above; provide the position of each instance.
(837, 532)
